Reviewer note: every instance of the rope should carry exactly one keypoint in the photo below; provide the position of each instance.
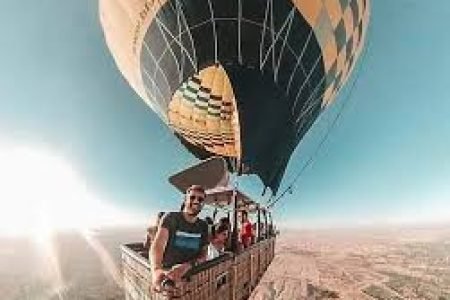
(290, 187)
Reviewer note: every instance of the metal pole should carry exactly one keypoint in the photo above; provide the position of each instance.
(229, 246)
(271, 224)
(258, 224)
(235, 221)
(265, 224)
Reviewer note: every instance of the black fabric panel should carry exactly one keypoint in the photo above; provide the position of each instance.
(355, 11)
(281, 10)
(268, 118)
(301, 131)
(187, 43)
(227, 34)
(312, 53)
(168, 66)
(297, 82)
(267, 129)
(160, 81)
(287, 66)
(148, 64)
(344, 4)
(360, 30)
(175, 48)
(155, 41)
(195, 150)
(204, 44)
(254, 10)
(340, 35)
(188, 68)
(168, 17)
(251, 38)
(338, 81)
(331, 75)
(195, 11)
(349, 48)
(317, 74)
(300, 97)
(298, 35)
(225, 8)
(350, 61)
(267, 52)
(150, 86)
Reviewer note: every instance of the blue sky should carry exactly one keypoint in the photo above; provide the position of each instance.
(387, 158)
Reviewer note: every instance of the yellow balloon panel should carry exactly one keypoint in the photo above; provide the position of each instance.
(203, 110)
(339, 26)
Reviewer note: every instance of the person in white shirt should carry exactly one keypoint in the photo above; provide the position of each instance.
(218, 241)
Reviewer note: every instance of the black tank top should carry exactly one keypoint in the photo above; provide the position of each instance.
(186, 240)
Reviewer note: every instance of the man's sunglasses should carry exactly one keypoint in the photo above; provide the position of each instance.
(199, 198)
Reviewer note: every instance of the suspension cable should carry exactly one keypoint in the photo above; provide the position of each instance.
(290, 187)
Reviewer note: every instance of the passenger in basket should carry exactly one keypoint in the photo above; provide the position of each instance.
(210, 223)
(246, 234)
(226, 221)
(181, 240)
(218, 241)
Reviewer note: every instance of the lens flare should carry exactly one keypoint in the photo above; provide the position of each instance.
(42, 195)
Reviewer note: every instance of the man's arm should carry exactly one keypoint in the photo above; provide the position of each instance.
(158, 247)
(156, 254)
(204, 250)
(203, 254)
(177, 272)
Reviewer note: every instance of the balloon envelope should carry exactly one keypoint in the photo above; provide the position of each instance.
(242, 79)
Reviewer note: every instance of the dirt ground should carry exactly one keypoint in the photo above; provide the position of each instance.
(402, 263)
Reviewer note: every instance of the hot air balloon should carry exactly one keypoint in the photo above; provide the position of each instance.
(241, 79)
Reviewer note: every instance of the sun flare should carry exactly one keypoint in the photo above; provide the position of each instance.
(41, 193)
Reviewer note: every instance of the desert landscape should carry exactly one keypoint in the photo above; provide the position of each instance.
(383, 263)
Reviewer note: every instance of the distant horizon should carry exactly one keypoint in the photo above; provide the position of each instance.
(89, 138)
(141, 224)
(368, 226)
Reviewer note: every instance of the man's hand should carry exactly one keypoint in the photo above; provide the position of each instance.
(158, 276)
(203, 254)
(177, 271)
(156, 256)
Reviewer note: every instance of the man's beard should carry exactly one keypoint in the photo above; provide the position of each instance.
(193, 212)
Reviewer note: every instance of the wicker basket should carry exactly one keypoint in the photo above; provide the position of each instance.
(227, 278)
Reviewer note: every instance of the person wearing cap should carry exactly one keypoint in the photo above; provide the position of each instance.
(181, 240)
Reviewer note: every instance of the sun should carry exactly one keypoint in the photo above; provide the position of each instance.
(41, 193)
